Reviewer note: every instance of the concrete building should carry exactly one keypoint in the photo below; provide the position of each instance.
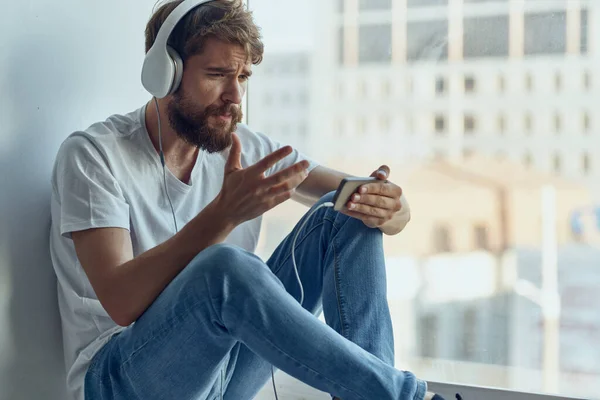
(279, 93)
(407, 79)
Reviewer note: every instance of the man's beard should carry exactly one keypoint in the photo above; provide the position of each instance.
(192, 125)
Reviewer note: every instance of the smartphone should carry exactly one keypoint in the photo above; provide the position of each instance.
(347, 188)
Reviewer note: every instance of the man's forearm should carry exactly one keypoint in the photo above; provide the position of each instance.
(138, 282)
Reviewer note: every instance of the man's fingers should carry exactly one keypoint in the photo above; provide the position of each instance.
(372, 222)
(298, 169)
(369, 211)
(386, 189)
(386, 203)
(382, 173)
(271, 160)
(287, 185)
(235, 153)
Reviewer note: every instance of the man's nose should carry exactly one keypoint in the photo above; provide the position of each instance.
(233, 93)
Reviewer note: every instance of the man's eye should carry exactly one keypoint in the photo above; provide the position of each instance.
(217, 75)
(244, 77)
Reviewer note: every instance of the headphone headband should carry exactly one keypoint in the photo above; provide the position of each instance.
(163, 68)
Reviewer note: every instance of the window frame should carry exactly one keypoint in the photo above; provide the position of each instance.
(448, 389)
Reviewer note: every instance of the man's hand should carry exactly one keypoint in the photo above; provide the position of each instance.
(247, 193)
(379, 204)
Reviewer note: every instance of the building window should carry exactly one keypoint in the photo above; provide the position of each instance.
(440, 85)
(546, 33)
(470, 124)
(583, 45)
(384, 123)
(557, 123)
(362, 126)
(586, 163)
(362, 89)
(429, 330)
(557, 163)
(558, 82)
(481, 237)
(528, 123)
(486, 37)
(440, 124)
(469, 339)
(341, 44)
(587, 80)
(501, 84)
(527, 160)
(427, 41)
(528, 82)
(366, 5)
(586, 122)
(469, 84)
(441, 239)
(386, 88)
(375, 44)
(501, 124)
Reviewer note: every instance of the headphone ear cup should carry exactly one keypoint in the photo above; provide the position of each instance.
(178, 62)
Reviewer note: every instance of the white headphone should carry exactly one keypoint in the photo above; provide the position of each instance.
(163, 66)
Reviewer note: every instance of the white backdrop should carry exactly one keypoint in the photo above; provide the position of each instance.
(64, 65)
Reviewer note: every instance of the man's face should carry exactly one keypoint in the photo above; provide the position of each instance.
(205, 110)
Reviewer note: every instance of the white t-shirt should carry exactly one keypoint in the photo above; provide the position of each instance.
(110, 176)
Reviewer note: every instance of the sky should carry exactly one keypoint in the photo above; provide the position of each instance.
(285, 24)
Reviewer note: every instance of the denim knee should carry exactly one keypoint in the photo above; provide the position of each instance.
(225, 261)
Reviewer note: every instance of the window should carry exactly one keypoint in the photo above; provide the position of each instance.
(527, 161)
(375, 44)
(587, 80)
(469, 84)
(429, 328)
(440, 85)
(529, 82)
(386, 89)
(586, 164)
(586, 123)
(427, 41)
(557, 163)
(501, 84)
(341, 45)
(375, 5)
(528, 123)
(583, 47)
(545, 33)
(481, 237)
(486, 37)
(469, 123)
(384, 123)
(362, 126)
(425, 3)
(440, 124)
(472, 141)
(441, 239)
(557, 123)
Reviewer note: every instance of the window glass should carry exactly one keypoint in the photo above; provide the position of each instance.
(487, 115)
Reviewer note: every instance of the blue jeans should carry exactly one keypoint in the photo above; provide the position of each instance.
(228, 310)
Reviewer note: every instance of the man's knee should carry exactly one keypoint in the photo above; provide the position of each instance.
(220, 260)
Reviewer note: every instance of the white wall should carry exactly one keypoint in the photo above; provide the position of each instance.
(64, 65)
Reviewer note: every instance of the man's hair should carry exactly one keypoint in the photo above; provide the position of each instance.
(226, 20)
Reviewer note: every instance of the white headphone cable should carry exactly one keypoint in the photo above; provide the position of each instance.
(328, 204)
